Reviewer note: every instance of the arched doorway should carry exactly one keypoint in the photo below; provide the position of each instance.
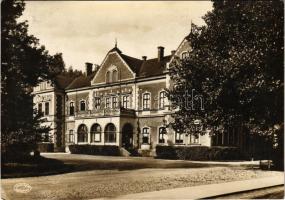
(127, 136)
(82, 133)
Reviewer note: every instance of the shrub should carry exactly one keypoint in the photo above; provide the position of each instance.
(16, 152)
(95, 150)
(166, 152)
(200, 153)
(45, 147)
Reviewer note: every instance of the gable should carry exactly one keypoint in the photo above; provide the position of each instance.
(183, 47)
(113, 60)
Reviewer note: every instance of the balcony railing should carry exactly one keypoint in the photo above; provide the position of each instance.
(105, 112)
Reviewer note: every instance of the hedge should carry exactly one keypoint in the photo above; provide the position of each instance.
(95, 150)
(200, 153)
(46, 147)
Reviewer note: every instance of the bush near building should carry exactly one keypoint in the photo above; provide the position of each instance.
(200, 153)
(95, 150)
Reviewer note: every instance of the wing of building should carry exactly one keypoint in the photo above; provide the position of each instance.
(122, 102)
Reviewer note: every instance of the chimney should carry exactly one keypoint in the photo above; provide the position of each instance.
(173, 52)
(96, 67)
(144, 58)
(160, 53)
(88, 68)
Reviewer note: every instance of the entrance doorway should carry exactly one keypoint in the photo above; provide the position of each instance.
(127, 136)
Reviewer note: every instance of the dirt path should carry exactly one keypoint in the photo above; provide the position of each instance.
(108, 183)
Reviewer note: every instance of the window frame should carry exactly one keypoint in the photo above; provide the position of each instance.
(180, 138)
(95, 132)
(71, 105)
(162, 140)
(110, 134)
(162, 100)
(80, 105)
(97, 102)
(84, 135)
(114, 103)
(40, 108)
(146, 102)
(47, 108)
(145, 135)
(126, 101)
(107, 102)
(70, 136)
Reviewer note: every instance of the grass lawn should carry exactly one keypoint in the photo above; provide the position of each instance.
(99, 176)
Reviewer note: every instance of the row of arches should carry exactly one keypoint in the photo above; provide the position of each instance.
(109, 132)
(96, 133)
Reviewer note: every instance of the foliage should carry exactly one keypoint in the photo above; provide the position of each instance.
(236, 64)
(200, 153)
(24, 64)
(105, 150)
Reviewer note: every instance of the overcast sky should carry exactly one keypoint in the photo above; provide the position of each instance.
(86, 31)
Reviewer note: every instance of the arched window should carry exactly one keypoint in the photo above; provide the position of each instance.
(95, 133)
(161, 134)
(114, 76)
(82, 105)
(110, 133)
(162, 97)
(82, 133)
(145, 135)
(71, 108)
(108, 77)
(146, 101)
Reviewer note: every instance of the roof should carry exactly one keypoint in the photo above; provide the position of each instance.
(143, 68)
(133, 63)
(62, 81)
(152, 67)
(81, 81)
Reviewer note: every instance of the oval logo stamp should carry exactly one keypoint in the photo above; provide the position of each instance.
(22, 188)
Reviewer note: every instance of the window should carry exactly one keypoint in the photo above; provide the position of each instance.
(114, 101)
(95, 133)
(110, 133)
(47, 108)
(145, 136)
(185, 55)
(82, 133)
(108, 77)
(114, 76)
(194, 139)
(71, 108)
(161, 134)
(40, 108)
(97, 102)
(107, 105)
(82, 105)
(146, 101)
(126, 101)
(70, 137)
(178, 138)
(162, 97)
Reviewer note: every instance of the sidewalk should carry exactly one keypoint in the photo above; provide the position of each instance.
(208, 191)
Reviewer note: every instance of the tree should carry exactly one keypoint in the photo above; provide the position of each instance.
(24, 64)
(236, 64)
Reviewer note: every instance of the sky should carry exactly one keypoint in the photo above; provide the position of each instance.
(84, 31)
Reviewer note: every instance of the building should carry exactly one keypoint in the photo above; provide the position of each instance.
(120, 102)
